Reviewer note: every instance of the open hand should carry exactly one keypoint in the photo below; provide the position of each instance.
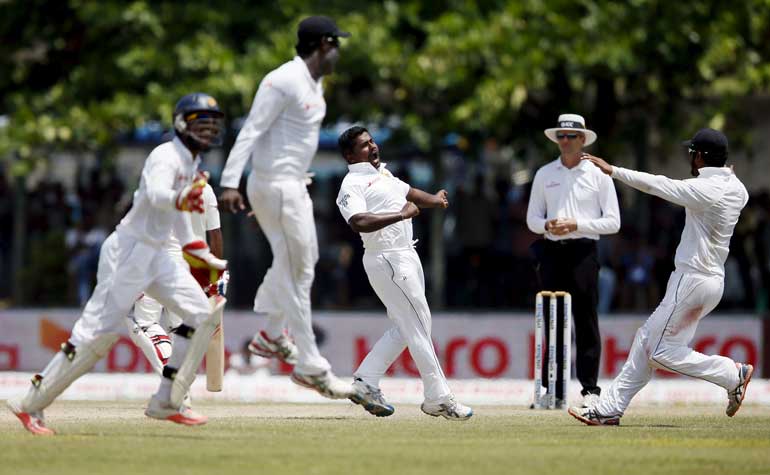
(605, 167)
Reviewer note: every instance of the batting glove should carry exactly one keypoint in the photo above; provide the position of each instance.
(204, 266)
(190, 198)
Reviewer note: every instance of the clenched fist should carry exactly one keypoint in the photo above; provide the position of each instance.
(410, 210)
(442, 198)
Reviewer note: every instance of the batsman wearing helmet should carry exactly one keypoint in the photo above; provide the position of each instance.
(134, 260)
(280, 138)
(149, 325)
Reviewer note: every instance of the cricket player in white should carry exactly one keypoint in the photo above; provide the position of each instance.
(381, 207)
(280, 137)
(713, 201)
(149, 326)
(133, 260)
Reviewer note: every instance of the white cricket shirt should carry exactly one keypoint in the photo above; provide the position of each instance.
(582, 192)
(169, 168)
(281, 132)
(366, 189)
(713, 202)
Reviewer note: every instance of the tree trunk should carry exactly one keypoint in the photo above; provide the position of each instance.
(437, 250)
(19, 236)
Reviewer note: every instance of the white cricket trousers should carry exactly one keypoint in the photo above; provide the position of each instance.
(128, 267)
(397, 279)
(662, 342)
(284, 211)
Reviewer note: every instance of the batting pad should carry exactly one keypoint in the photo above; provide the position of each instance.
(142, 338)
(63, 369)
(199, 343)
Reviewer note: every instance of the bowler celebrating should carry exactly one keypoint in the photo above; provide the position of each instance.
(381, 207)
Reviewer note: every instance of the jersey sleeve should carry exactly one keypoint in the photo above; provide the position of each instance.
(210, 210)
(269, 101)
(403, 187)
(695, 194)
(350, 201)
(159, 175)
(537, 209)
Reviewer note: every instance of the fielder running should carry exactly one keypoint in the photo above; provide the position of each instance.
(133, 260)
(713, 201)
(380, 207)
(280, 137)
(149, 326)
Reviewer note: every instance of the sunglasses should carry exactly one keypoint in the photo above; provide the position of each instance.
(567, 136)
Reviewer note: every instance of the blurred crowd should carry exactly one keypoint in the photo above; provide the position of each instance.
(487, 257)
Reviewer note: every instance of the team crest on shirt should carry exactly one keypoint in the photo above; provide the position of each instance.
(344, 200)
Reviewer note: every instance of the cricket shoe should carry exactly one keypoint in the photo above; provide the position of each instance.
(325, 383)
(371, 399)
(282, 347)
(590, 400)
(32, 421)
(735, 397)
(181, 415)
(448, 409)
(589, 416)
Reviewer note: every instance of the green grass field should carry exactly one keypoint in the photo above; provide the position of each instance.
(116, 438)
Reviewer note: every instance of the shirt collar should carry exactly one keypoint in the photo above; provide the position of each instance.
(305, 71)
(706, 172)
(365, 168)
(580, 167)
(184, 151)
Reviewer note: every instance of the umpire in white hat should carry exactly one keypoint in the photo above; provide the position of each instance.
(571, 205)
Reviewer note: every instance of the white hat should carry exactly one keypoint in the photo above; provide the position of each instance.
(572, 122)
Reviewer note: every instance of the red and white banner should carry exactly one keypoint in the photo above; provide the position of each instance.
(469, 345)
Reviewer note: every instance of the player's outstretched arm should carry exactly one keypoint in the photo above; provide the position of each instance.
(688, 193)
(370, 222)
(427, 200)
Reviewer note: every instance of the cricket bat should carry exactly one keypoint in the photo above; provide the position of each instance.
(215, 354)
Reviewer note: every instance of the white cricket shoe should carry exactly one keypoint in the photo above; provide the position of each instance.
(590, 400)
(32, 421)
(164, 411)
(448, 409)
(282, 347)
(735, 397)
(590, 417)
(325, 383)
(371, 399)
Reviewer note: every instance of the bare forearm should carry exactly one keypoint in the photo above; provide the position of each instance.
(370, 222)
(423, 199)
(216, 243)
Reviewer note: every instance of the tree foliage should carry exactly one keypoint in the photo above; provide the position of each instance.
(80, 72)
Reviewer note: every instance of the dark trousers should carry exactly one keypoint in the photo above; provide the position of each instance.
(572, 265)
